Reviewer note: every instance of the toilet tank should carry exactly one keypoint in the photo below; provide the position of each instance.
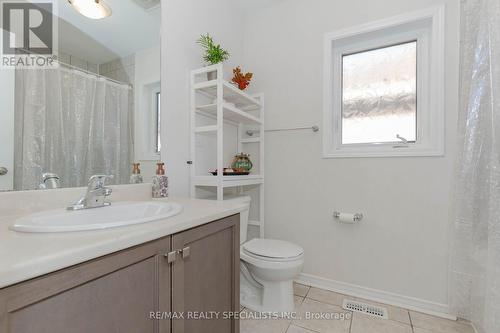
(246, 200)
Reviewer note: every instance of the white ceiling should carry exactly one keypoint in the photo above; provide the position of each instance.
(129, 29)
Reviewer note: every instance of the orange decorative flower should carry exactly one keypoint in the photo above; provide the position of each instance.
(242, 80)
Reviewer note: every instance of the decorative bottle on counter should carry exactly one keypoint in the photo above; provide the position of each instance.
(160, 182)
(136, 177)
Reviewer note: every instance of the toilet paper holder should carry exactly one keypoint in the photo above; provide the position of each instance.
(357, 217)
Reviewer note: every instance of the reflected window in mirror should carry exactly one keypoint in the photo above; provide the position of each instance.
(158, 122)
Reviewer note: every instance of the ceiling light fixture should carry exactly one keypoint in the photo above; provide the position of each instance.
(94, 9)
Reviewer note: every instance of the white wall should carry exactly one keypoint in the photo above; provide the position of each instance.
(401, 245)
(183, 21)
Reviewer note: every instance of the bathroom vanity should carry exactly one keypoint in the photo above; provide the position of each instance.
(185, 279)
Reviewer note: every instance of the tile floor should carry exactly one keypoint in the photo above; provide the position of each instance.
(314, 300)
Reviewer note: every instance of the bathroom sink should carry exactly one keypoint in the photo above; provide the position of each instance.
(117, 215)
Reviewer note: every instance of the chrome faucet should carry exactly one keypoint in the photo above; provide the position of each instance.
(50, 181)
(96, 194)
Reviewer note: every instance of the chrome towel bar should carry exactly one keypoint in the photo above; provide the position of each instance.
(314, 128)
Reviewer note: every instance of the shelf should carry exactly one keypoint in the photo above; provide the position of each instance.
(250, 140)
(231, 94)
(231, 113)
(205, 129)
(229, 181)
(215, 104)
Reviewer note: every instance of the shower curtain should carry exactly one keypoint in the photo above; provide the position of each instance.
(475, 254)
(70, 123)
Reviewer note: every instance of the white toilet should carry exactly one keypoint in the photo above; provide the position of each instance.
(268, 268)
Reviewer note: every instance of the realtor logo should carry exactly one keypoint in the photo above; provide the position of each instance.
(28, 33)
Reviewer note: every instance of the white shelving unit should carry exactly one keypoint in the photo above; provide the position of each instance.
(226, 105)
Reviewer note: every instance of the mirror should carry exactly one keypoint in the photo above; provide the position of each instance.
(96, 111)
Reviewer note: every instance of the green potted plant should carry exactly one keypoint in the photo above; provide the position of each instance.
(214, 53)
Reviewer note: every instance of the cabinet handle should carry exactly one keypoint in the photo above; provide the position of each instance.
(185, 252)
(3, 171)
(171, 256)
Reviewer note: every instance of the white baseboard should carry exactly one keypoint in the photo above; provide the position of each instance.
(410, 303)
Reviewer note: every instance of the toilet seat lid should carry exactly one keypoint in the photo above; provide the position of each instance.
(272, 248)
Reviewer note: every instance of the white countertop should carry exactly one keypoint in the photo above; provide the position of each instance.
(27, 255)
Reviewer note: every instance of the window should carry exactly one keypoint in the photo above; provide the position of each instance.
(147, 144)
(384, 87)
(158, 121)
(379, 95)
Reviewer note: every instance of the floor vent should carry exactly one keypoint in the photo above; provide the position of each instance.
(372, 310)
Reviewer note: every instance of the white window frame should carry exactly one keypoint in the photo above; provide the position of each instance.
(155, 125)
(145, 121)
(427, 28)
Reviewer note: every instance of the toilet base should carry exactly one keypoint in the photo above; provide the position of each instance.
(271, 296)
(278, 297)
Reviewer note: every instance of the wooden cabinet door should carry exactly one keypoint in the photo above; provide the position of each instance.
(205, 277)
(116, 293)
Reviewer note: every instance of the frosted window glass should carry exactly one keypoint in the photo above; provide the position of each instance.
(379, 95)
